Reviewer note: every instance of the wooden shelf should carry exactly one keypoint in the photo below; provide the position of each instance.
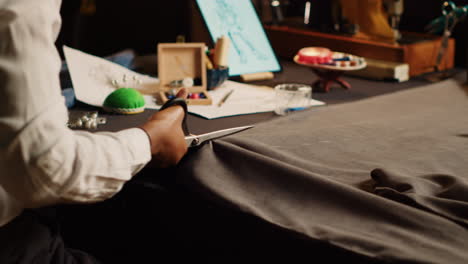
(420, 54)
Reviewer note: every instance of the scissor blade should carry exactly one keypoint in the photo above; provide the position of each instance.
(195, 140)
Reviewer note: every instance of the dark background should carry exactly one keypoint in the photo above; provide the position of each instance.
(122, 24)
(141, 24)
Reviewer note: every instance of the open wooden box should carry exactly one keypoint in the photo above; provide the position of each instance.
(177, 61)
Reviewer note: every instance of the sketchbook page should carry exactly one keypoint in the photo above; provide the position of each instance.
(94, 78)
(245, 99)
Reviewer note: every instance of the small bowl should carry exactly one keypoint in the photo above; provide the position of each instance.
(216, 77)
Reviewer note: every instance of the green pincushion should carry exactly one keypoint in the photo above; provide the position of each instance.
(125, 101)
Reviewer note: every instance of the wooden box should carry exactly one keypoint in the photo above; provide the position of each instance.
(420, 53)
(177, 61)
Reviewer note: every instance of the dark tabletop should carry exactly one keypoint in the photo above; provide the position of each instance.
(291, 73)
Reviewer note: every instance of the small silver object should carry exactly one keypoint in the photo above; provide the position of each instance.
(87, 124)
(89, 120)
(101, 120)
(93, 124)
(185, 82)
(78, 123)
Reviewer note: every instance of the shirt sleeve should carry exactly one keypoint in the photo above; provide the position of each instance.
(42, 161)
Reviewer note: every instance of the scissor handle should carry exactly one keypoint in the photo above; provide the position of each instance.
(448, 7)
(178, 101)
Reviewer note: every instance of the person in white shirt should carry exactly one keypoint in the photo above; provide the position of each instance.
(42, 162)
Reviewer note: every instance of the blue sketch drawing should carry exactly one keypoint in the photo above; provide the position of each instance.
(250, 50)
(233, 26)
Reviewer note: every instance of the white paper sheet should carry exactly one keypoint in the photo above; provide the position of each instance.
(93, 77)
(245, 99)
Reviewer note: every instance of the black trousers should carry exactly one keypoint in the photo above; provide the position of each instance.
(34, 237)
(144, 223)
(128, 228)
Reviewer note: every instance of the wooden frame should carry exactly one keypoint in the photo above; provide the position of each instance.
(177, 61)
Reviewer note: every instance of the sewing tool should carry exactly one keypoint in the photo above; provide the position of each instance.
(223, 100)
(124, 101)
(451, 15)
(196, 140)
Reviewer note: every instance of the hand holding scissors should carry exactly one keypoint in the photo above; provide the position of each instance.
(196, 140)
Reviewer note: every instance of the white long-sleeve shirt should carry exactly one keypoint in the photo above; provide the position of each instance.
(42, 162)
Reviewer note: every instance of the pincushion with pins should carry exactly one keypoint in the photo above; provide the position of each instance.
(125, 101)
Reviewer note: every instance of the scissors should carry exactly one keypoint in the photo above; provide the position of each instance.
(196, 140)
(451, 15)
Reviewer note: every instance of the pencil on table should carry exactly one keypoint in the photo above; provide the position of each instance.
(225, 98)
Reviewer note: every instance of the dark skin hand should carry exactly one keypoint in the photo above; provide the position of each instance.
(164, 129)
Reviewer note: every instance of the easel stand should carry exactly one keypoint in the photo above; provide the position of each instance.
(327, 78)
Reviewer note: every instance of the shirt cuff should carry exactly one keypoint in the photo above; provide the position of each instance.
(139, 145)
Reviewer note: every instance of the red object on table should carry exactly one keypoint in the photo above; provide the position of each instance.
(314, 55)
(336, 63)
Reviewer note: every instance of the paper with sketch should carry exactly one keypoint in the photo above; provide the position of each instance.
(94, 78)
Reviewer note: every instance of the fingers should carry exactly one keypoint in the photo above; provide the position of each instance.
(182, 93)
(167, 138)
(169, 111)
(166, 135)
(171, 151)
(175, 112)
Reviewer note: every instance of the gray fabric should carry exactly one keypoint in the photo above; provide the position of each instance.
(384, 177)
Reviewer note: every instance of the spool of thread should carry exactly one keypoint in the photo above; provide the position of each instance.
(222, 51)
(315, 55)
